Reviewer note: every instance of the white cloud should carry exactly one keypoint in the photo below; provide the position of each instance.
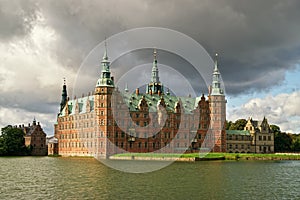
(282, 110)
(16, 116)
(31, 78)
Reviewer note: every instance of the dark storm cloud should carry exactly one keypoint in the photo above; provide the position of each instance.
(257, 40)
(16, 18)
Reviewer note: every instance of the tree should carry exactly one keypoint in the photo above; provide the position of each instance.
(12, 142)
(238, 124)
(282, 142)
(295, 143)
(275, 128)
(228, 124)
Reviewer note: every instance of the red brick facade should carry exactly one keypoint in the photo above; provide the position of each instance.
(110, 121)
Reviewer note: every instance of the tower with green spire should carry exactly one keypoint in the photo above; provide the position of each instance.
(217, 104)
(216, 83)
(105, 77)
(102, 99)
(155, 86)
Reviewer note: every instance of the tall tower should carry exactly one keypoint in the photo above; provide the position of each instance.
(217, 104)
(64, 96)
(155, 86)
(104, 119)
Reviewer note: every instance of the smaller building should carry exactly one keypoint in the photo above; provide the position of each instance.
(239, 141)
(36, 138)
(257, 137)
(52, 143)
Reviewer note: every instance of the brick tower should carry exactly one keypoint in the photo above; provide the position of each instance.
(104, 119)
(217, 104)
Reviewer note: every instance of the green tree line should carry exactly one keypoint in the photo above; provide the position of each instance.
(12, 142)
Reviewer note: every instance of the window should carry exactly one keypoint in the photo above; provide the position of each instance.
(259, 138)
(140, 145)
(236, 146)
(265, 138)
(269, 137)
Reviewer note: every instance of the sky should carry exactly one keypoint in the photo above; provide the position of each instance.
(258, 42)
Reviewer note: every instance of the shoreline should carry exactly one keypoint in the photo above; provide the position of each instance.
(208, 157)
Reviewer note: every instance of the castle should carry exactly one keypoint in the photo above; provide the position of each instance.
(110, 121)
(34, 137)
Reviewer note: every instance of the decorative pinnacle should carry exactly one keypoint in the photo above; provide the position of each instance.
(105, 57)
(216, 61)
(64, 80)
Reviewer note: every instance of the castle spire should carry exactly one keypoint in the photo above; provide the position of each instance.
(105, 78)
(155, 77)
(216, 62)
(155, 87)
(216, 84)
(34, 121)
(64, 96)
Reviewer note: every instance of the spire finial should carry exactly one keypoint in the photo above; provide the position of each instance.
(216, 61)
(64, 79)
(105, 57)
(126, 87)
(154, 53)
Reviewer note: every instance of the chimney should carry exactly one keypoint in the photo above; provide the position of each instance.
(23, 125)
(38, 123)
(137, 91)
(150, 92)
(158, 92)
(112, 78)
(19, 126)
(28, 124)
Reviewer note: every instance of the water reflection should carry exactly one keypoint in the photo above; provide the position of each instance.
(85, 178)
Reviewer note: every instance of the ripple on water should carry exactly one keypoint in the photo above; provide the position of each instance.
(84, 178)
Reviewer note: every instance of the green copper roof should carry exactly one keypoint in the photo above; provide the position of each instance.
(83, 103)
(133, 100)
(237, 132)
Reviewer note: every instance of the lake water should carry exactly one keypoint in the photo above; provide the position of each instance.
(86, 178)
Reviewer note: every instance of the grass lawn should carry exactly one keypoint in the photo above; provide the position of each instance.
(227, 156)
